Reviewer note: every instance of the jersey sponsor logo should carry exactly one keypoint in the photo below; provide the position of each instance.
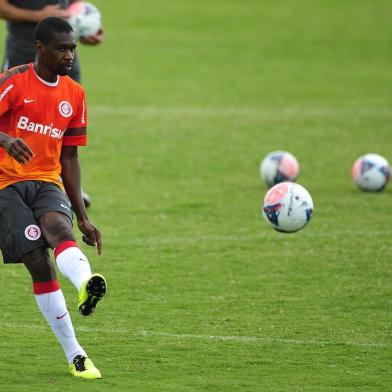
(25, 124)
(32, 232)
(28, 100)
(65, 109)
(6, 91)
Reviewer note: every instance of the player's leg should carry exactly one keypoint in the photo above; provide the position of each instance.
(72, 262)
(55, 220)
(21, 241)
(51, 302)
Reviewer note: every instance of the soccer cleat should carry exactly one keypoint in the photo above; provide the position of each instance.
(90, 293)
(83, 367)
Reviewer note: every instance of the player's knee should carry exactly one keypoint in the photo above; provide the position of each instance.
(57, 228)
(61, 231)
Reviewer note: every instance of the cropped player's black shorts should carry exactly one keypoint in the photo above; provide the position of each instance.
(21, 204)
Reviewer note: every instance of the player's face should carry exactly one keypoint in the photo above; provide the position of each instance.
(58, 55)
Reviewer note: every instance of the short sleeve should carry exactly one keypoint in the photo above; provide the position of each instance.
(79, 119)
(7, 92)
(76, 133)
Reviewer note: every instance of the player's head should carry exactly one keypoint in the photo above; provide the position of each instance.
(55, 45)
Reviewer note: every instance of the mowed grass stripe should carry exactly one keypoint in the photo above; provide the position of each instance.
(217, 338)
(192, 240)
(239, 111)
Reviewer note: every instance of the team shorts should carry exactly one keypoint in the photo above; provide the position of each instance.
(21, 204)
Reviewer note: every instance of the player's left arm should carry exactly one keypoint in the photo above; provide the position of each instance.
(70, 174)
(74, 136)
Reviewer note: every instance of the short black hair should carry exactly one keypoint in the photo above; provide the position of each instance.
(44, 30)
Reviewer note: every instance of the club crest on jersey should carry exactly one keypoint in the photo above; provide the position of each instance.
(65, 109)
(32, 232)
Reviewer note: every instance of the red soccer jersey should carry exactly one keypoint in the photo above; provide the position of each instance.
(46, 116)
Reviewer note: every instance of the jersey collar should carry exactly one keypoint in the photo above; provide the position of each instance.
(50, 84)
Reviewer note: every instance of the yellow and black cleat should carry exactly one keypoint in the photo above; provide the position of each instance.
(83, 367)
(91, 293)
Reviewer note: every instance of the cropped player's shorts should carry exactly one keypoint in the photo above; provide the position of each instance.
(21, 204)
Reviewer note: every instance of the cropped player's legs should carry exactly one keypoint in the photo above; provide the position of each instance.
(71, 261)
(51, 302)
(21, 241)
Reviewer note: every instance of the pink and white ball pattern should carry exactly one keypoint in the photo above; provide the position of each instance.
(371, 172)
(287, 207)
(85, 18)
(279, 166)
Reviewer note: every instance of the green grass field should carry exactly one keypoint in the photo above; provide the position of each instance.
(185, 99)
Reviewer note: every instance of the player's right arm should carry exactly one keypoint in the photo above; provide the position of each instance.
(14, 146)
(15, 14)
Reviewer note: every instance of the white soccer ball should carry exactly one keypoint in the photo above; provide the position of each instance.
(287, 207)
(85, 18)
(371, 172)
(279, 166)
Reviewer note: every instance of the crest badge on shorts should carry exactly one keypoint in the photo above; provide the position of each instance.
(65, 109)
(32, 232)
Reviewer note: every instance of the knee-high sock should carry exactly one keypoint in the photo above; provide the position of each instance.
(72, 263)
(50, 300)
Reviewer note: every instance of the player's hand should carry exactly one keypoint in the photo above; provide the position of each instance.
(91, 235)
(53, 10)
(95, 39)
(18, 150)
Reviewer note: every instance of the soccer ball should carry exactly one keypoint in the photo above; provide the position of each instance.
(371, 172)
(85, 18)
(279, 166)
(287, 207)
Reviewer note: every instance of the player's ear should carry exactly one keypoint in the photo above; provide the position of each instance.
(39, 45)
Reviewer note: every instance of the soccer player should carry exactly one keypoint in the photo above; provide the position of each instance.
(22, 16)
(43, 120)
